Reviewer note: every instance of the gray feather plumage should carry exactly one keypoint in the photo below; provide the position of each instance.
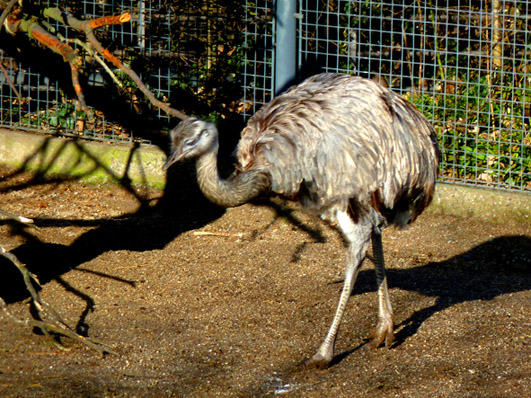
(335, 138)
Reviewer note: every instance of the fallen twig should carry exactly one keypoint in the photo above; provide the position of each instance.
(20, 219)
(223, 234)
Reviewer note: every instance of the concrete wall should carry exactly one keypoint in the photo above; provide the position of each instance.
(483, 203)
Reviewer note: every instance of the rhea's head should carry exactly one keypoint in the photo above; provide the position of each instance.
(191, 139)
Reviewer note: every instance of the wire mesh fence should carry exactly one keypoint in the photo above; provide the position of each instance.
(41, 97)
(464, 66)
(258, 54)
(188, 53)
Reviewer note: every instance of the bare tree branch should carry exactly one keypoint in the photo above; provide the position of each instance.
(15, 23)
(6, 12)
(50, 321)
(3, 17)
(87, 27)
(10, 82)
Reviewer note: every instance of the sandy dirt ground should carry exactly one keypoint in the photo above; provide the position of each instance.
(199, 301)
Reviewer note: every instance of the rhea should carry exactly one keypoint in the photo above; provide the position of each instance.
(347, 149)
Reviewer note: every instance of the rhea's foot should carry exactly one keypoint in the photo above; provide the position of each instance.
(384, 332)
(319, 360)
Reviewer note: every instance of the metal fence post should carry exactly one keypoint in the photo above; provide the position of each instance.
(285, 45)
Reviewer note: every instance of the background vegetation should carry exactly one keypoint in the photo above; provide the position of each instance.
(464, 65)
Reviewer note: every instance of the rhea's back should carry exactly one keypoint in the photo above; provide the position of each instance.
(335, 139)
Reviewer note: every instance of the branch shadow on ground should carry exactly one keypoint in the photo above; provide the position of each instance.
(180, 208)
(496, 267)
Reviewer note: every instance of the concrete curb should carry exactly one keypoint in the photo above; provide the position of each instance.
(482, 203)
(87, 161)
(142, 166)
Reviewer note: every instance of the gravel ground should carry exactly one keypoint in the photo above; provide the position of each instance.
(200, 301)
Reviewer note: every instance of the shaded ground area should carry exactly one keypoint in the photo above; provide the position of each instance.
(203, 302)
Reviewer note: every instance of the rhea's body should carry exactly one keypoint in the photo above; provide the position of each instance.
(347, 149)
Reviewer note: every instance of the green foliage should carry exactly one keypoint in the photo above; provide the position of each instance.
(475, 91)
(60, 118)
(483, 135)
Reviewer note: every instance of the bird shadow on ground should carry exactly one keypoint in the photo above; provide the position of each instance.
(288, 212)
(496, 267)
(499, 266)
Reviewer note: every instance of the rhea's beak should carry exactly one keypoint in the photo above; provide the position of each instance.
(174, 157)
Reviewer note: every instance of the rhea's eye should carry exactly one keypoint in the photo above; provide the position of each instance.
(190, 142)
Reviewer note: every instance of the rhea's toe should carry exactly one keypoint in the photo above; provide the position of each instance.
(318, 361)
(384, 333)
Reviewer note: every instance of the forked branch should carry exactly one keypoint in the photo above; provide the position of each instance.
(50, 322)
(16, 23)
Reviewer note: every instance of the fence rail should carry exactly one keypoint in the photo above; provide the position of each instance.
(466, 68)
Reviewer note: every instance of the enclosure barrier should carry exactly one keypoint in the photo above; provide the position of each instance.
(464, 66)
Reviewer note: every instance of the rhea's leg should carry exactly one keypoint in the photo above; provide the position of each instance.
(358, 236)
(385, 327)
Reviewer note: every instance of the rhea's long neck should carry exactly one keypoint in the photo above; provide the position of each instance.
(234, 191)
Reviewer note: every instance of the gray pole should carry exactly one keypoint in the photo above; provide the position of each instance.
(285, 45)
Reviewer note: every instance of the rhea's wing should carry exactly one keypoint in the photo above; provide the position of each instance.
(336, 137)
